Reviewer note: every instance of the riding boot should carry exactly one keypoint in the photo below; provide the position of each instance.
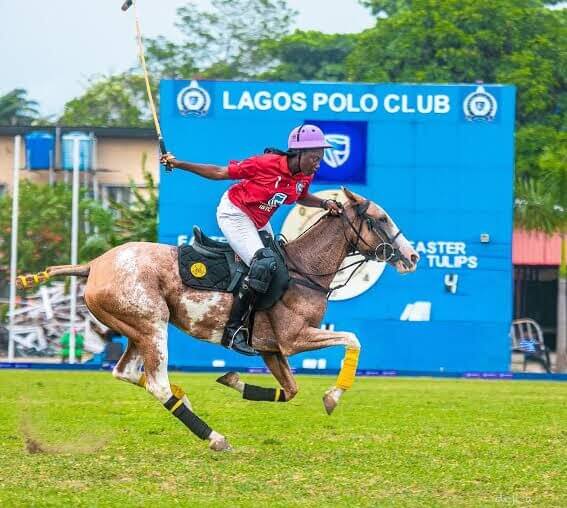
(236, 334)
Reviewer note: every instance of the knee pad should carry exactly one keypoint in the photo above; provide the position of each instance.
(262, 268)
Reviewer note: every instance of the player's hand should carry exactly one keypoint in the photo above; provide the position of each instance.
(168, 159)
(334, 207)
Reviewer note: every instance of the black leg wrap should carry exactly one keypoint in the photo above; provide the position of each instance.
(189, 419)
(252, 392)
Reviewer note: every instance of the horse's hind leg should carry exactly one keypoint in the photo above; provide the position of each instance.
(279, 367)
(129, 369)
(154, 352)
(147, 345)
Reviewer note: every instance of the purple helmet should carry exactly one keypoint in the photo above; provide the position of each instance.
(306, 137)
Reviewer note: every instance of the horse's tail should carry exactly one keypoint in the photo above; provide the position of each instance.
(31, 280)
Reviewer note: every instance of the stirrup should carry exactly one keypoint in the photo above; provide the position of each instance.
(242, 345)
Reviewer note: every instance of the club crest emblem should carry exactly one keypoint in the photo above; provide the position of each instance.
(340, 151)
(193, 100)
(480, 105)
(198, 270)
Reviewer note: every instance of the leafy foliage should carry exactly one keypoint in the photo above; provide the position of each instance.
(17, 109)
(509, 41)
(137, 221)
(221, 42)
(308, 56)
(110, 101)
(44, 227)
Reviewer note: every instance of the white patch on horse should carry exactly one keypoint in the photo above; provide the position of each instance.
(197, 311)
(126, 261)
(351, 340)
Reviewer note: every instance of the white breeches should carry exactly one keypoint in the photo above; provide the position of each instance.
(239, 230)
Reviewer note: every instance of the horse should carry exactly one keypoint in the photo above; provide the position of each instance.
(136, 289)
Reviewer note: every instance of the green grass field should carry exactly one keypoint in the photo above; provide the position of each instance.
(391, 442)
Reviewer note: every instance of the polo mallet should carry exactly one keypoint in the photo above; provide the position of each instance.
(125, 6)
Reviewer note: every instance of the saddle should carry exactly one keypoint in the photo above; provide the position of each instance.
(213, 266)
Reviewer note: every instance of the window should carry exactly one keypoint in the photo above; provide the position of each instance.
(117, 194)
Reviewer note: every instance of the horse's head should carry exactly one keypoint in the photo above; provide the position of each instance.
(374, 234)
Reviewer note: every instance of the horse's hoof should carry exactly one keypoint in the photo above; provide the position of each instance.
(330, 400)
(220, 444)
(229, 379)
(330, 403)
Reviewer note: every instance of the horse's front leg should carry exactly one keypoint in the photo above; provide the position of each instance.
(279, 367)
(314, 338)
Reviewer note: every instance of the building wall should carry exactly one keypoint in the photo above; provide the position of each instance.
(118, 159)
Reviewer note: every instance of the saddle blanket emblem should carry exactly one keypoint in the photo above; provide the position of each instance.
(198, 270)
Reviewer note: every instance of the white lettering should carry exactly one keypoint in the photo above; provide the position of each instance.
(351, 108)
(441, 104)
(246, 101)
(226, 101)
(388, 106)
(369, 103)
(299, 101)
(319, 99)
(405, 107)
(424, 108)
(282, 101)
(262, 100)
(337, 102)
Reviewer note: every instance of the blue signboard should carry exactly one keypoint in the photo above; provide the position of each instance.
(438, 158)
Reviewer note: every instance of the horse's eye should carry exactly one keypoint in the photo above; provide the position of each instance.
(383, 220)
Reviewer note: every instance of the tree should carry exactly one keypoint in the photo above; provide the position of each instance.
(542, 205)
(137, 221)
(223, 42)
(17, 109)
(387, 7)
(308, 55)
(110, 101)
(44, 226)
(509, 41)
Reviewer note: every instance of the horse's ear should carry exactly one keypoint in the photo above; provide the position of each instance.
(351, 196)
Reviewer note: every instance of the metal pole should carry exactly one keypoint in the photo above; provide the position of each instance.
(74, 246)
(14, 246)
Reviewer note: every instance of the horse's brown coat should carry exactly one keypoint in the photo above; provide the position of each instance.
(136, 289)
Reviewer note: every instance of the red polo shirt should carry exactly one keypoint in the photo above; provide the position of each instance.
(265, 183)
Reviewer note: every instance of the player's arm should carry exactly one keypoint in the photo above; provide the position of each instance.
(326, 204)
(210, 171)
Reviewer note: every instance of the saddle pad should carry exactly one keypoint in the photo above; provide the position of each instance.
(204, 272)
(217, 270)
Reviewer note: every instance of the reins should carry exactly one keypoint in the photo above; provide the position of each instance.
(353, 250)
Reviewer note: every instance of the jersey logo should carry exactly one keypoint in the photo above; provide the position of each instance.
(277, 199)
(299, 186)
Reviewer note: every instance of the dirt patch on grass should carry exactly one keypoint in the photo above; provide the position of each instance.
(33, 444)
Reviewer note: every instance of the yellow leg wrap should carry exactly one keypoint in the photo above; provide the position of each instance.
(142, 380)
(177, 391)
(348, 370)
(277, 397)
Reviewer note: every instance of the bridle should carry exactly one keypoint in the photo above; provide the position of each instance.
(386, 251)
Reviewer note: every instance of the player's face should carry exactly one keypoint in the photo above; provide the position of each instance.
(310, 161)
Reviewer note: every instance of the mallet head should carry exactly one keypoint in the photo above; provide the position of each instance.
(127, 4)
